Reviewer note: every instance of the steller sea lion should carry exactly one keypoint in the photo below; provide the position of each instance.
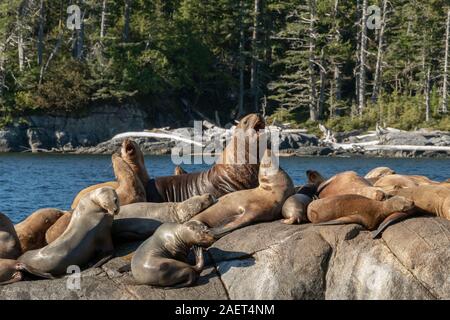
(9, 242)
(58, 227)
(133, 156)
(375, 174)
(294, 209)
(398, 181)
(431, 199)
(314, 180)
(138, 221)
(130, 189)
(31, 231)
(162, 259)
(226, 176)
(242, 208)
(12, 271)
(358, 209)
(178, 171)
(87, 236)
(349, 182)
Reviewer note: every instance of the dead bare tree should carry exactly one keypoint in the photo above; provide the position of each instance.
(379, 63)
(362, 59)
(444, 105)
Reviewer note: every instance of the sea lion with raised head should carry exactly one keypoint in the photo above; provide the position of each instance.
(88, 236)
(245, 207)
(9, 242)
(133, 156)
(138, 221)
(31, 231)
(358, 209)
(232, 172)
(431, 199)
(349, 182)
(294, 209)
(162, 260)
(13, 271)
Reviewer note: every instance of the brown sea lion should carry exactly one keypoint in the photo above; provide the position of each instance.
(226, 176)
(162, 259)
(88, 236)
(375, 174)
(13, 271)
(58, 227)
(242, 208)
(138, 221)
(358, 209)
(349, 182)
(9, 242)
(179, 170)
(294, 209)
(31, 231)
(431, 199)
(133, 156)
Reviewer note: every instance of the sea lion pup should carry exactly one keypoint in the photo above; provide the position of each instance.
(162, 259)
(236, 169)
(9, 242)
(358, 209)
(245, 207)
(58, 227)
(133, 156)
(349, 182)
(178, 171)
(373, 175)
(31, 231)
(88, 236)
(294, 209)
(429, 199)
(13, 271)
(138, 221)
(129, 186)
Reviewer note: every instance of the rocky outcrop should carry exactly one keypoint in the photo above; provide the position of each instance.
(276, 261)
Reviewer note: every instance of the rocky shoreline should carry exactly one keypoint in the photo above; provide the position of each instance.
(278, 261)
(92, 135)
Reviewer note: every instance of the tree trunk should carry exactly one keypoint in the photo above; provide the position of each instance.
(444, 106)
(313, 114)
(102, 24)
(379, 66)
(427, 95)
(40, 44)
(358, 57)
(321, 102)
(2, 67)
(362, 58)
(255, 49)
(126, 26)
(241, 59)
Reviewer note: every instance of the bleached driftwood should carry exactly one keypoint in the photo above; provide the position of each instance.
(373, 145)
(159, 135)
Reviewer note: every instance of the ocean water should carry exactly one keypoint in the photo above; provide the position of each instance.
(32, 181)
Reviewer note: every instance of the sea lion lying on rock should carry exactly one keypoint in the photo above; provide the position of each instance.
(294, 209)
(162, 259)
(226, 176)
(349, 182)
(9, 242)
(13, 271)
(138, 221)
(245, 207)
(431, 199)
(88, 236)
(358, 209)
(31, 231)
(132, 155)
(375, 174)
(398, 181)
(58, 227)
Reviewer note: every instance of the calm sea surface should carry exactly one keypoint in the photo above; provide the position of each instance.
(29, 181)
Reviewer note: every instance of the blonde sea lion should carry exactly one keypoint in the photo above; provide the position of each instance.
(398, 181)
(31, 231)
(242, 208)
(58, 227)
(162, 259)
(133, 156)
(376, 173)
(88, 236)
(358, 209)
(349, 182)
(9, 242)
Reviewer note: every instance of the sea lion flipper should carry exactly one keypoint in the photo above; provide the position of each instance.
(389, 220)
(24, 267)
(342, 220)
(103, 260)
(13, 280)
(290, 220)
